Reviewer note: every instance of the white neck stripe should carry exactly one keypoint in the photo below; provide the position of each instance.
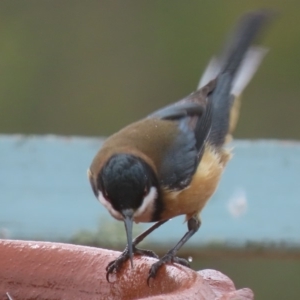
(143, 214)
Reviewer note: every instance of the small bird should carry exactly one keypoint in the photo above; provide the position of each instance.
(170, 163)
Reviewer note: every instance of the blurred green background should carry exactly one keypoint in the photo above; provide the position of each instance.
(90, 67)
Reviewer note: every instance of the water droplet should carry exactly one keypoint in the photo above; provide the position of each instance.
(237, 205)
(190, 259)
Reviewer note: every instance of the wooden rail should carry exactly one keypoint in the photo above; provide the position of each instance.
(45, 194)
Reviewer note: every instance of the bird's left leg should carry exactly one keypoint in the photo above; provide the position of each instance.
(116, 264)
(193, 226)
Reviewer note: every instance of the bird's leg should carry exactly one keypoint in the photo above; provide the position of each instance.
(193, 226)
(115, 265)
(9, 296)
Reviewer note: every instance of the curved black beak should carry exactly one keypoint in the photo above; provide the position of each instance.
(128, 216)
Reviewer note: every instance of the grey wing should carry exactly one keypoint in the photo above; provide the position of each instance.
(178, 110)
(180, 161)
(182, 158)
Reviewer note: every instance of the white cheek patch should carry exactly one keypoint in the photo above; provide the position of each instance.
(109, 207)
(145, 211)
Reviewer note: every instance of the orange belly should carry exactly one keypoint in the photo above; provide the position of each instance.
(191, 200)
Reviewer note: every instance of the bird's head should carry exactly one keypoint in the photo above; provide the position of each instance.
(127, 187)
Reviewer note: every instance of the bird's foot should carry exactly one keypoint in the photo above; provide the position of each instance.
(116, 264)
(167, 258)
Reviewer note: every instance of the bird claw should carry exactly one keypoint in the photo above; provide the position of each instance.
(116, 264)
(168, 258)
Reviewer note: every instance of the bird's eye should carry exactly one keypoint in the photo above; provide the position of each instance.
(105, 194)
(146, 191)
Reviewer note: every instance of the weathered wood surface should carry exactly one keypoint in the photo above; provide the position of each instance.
(44, 193)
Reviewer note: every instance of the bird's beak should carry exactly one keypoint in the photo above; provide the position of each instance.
(128, 216)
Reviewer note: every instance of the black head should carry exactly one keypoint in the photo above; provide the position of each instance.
(125, 180)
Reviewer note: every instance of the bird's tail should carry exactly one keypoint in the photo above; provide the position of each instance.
(234, 69)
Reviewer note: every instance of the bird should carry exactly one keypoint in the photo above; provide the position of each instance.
(170, 163)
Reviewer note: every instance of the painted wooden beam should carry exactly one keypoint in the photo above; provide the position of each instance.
(45, 194)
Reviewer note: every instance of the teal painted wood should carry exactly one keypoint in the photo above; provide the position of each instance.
(44, 193)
